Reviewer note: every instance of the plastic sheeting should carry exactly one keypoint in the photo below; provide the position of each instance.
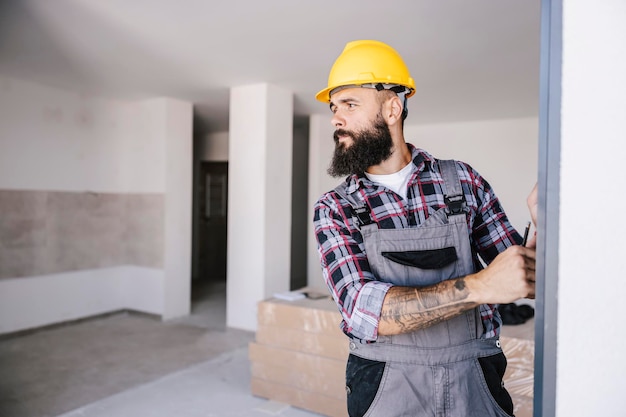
(519, 376)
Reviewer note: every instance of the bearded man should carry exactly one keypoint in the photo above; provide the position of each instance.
(402, 242)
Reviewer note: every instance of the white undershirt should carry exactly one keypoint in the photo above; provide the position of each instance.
(396, 181)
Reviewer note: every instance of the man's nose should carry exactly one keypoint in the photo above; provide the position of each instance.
(337, 121)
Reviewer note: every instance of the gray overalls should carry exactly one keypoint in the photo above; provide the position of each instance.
(446, 369)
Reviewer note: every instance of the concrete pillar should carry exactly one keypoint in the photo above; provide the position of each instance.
(321, 146)
(259, 193)
(178, 141)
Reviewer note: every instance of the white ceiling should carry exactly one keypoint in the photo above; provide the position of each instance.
(471, 60)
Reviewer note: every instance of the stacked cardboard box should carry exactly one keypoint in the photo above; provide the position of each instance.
(299, 358)
(299, 355)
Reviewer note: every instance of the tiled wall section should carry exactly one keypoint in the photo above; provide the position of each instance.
(45, 232)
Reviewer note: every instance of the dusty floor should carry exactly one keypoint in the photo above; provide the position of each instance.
(128, 364)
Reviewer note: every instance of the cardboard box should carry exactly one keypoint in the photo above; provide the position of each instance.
(328, 346)
(299, 370)
(312, 401)
(311, 316)
(299, 355)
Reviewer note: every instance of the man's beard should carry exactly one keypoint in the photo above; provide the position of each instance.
(369, 147)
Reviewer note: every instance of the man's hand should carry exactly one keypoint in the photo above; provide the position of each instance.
(508, 278)
(531, 201)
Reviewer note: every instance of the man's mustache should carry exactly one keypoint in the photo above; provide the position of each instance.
(342, 132)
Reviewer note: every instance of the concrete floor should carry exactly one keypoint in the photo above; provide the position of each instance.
(129, 364)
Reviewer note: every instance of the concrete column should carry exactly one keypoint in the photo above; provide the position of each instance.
(259, 193)
(321, 147)
(178, 148)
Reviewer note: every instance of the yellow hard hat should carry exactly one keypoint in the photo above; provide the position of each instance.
(368, 63)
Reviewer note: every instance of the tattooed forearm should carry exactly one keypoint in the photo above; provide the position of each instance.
(408, 309)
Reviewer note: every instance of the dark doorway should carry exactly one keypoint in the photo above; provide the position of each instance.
(212, 220)
(299, 198)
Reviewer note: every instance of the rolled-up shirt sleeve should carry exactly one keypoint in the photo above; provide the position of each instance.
(359, 296)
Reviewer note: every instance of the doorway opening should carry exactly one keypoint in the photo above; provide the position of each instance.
(208, 284)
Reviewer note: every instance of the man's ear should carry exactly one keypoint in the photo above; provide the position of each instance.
(392, 110)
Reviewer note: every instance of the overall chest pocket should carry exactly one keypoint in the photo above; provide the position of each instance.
(424, 259)
(415, 257)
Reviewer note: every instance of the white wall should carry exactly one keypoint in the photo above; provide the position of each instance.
(30, 302)
(57, 140)
(503, 151)
(591, 337)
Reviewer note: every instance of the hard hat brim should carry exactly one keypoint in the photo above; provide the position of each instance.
(324, 95)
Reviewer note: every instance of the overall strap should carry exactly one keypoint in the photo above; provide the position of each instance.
(454, 197)
(361, 209)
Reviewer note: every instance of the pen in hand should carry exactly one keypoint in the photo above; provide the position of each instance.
(525, 239)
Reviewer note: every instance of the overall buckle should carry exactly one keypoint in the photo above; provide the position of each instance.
(363, 214)
(455, 203)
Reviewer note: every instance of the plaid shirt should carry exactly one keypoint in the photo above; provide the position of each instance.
(355, 289)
